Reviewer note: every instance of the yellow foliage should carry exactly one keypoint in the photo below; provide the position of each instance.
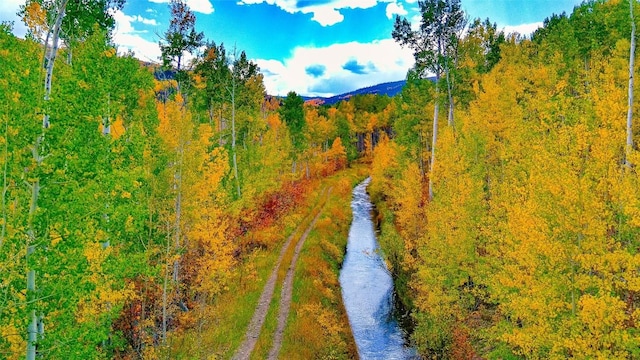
(117, 127)
(384, 166)
(35, 17)
(534, 215)
(410, 213)
(55, 237)
(16, 340)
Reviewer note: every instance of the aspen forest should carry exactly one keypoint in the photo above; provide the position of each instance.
(144, 204)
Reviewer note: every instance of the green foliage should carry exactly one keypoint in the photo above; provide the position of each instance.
(181, 35)
(292, 113)
(435, 41)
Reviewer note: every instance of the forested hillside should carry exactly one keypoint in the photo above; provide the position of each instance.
(523, 242)
(143, 206)
(131, 203)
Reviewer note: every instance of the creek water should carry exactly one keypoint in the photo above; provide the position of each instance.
(367, 288)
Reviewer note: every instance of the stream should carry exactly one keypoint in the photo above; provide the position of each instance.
(367, 288)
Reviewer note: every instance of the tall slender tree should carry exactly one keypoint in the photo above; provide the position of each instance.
(67, 20)
(242, 70)
(433, 44)
(292, 112)
(213, 71)
(181, 36)
(79, 21)
(632, 55)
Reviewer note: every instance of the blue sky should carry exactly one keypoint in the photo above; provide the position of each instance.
(314, 47)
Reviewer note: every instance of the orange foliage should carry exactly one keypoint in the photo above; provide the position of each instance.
(35, 17)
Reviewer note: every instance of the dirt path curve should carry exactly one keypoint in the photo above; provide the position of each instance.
(287, 292)
(260, 313)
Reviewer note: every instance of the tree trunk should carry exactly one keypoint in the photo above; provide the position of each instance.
(4, 184)
(420, 157)
(32, 328)
(434, 139)
(449, 93)
(436, 109)
(211, 115)
(34, 323)
(51, 60)
(629, 144)
(233, 137)
(220, 142)
(177, 228)
(165, 286)
(69, 55)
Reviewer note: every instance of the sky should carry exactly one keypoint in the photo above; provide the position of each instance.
(312, 47)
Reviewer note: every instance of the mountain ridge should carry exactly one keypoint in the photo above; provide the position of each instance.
(388, 88)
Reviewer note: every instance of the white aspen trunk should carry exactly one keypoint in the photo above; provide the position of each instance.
(45, 58)
(449, 93)
(32, 328)
(177, 226)
(436, 109)
(233, 137)
(51, 59)
(177, 229)
(232, 91)
(421, 160)
(629, 144)
(69, 54)
(4, 184)
(220, 142)
(34, 322)
(165, 290)
(106, 122)
(211, 115)
(434, 140)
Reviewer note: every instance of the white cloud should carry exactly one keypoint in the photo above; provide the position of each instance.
(146, 21)
(325, 14)
(8, 11)
(380, 61)
(395, 9)
(125, 36)
(523, 29)
(200, 6)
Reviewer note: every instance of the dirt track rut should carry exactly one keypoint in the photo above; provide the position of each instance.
(261, 310)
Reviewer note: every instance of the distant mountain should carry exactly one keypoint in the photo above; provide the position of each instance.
(389, 89)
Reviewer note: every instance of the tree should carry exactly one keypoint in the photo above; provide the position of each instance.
(181, 37)
(242, 72)
(67, 19)
(632, 50)
(212, 74)
(80, 19)
(433, 45)
(292, 112)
